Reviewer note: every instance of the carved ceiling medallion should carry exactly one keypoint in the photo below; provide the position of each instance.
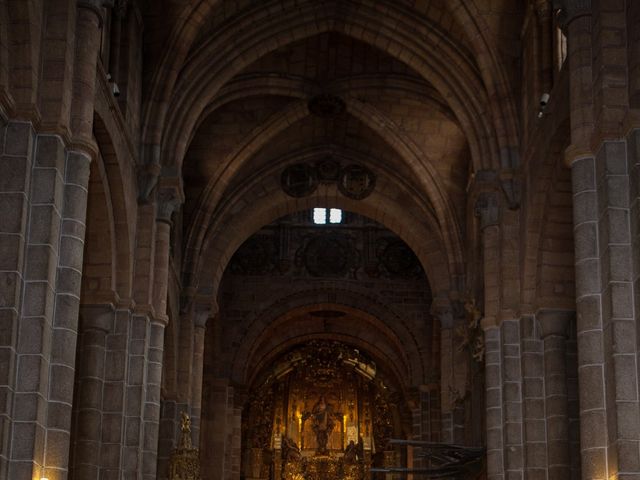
(353, 181)
(398, 260)
(331, 255)
(328, 170)
(299, 180)
(356, 182)
(257, 256)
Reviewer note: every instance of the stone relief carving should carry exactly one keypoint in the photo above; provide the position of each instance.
(257, 256)
(356, 182)
(471, 334)
(328, 170)
(329, 255)
(299, 180)
(329, 252)
(396, 259)
(353, 181)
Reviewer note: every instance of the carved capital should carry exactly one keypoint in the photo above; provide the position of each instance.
(448, 313)
(201, 316)
(512, 188)
(169, 197)
(487, 208)
(167, 203)
(147, 181)
(445, 316)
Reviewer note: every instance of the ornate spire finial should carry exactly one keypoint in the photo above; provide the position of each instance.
(185, 439)
(185, 460)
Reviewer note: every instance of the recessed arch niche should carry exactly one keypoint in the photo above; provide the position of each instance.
(323, 409)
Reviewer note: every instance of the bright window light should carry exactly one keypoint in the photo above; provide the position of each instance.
(335, 215)
(320, 216)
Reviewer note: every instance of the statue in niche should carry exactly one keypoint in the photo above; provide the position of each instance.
(322, 423)
(290, 451)
(354, 452)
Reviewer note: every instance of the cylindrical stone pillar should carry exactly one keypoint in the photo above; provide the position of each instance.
(88, 38)
(488, 209)
(199, 323)
(554, 324)
(444, 316)
(167, 202)
(543, 9)
(95, 322)
(493, 403)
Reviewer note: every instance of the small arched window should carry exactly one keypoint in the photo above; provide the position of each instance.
(323, 216)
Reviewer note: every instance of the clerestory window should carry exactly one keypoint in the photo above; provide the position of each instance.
(323, 216)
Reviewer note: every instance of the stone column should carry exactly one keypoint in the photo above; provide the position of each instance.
(199, 323)
(493, 403)
(543, 10)
(27, 295)
(88, 37)
(113, 401)
(554, 324)
(167, 202)
(96, 321)
(512, 399)
(186, 394)
(119, 13)
(444, 315)
(151, 411)
(488, 211)
(534, 421)
(453, 373)
(606, 318)
(72, 233)
(219, 417)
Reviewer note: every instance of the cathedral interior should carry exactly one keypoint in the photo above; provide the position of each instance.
(319, 239)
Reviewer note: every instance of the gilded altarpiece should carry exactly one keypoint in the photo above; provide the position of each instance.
(321, 414)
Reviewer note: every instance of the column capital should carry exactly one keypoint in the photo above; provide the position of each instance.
(554, 322)
(168, 200)
(487, 208)
(486, 189)
(201, 316)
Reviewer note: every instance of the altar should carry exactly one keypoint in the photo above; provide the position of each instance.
(322, 413)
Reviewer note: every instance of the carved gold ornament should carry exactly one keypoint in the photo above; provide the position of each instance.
(185, 460)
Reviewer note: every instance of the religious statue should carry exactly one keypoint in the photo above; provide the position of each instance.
(290, 451)
(323, 421)
(471, 333)
(351, 453)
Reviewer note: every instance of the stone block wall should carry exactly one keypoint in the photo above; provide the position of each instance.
(531, 413)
